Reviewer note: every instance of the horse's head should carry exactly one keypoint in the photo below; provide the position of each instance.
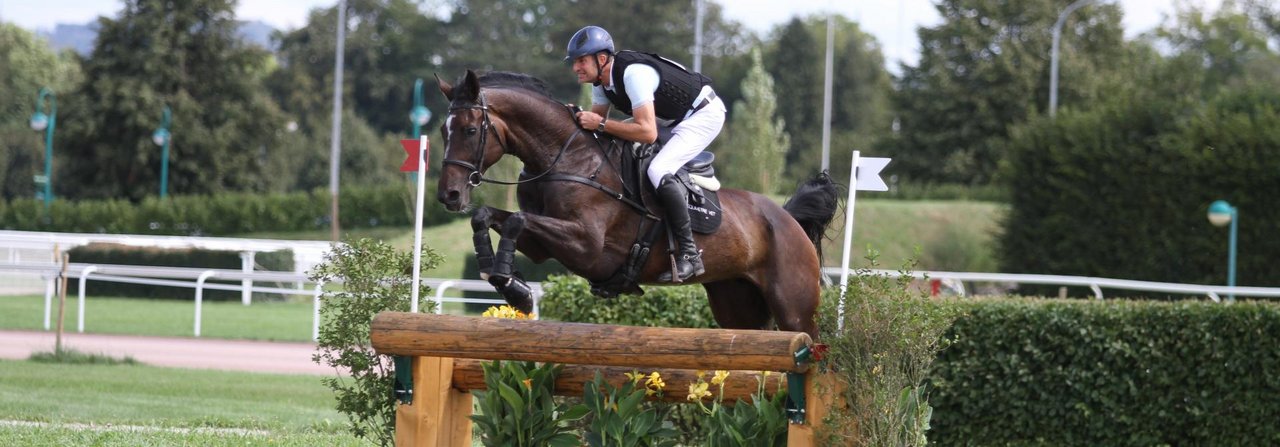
(471, 143)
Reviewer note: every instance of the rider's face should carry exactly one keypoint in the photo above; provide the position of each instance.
(586, 68)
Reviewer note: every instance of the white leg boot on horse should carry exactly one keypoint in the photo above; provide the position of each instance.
(688, 259)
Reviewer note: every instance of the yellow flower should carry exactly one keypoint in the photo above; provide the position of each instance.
(697, 391)
(720, 376)
(506, 311)
(700, 373)
(876, 370)
(654, 382)
(634, 376)
(528, 383)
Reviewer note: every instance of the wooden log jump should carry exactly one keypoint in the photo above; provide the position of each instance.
(442, 374)
(403, 333)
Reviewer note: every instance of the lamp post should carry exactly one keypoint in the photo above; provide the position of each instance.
(1222, 213)
(1053, 58)
(161, 137)
(419, 115)
(40, 121)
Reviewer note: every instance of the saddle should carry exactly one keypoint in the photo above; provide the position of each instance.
(705, 213)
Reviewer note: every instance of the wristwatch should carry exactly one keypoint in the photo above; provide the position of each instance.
(600, 128)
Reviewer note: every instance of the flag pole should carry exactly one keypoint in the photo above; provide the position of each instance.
(417, 222)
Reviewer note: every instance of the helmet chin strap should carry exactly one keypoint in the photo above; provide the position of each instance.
(599, 70)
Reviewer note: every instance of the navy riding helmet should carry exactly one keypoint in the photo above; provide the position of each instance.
(588, 40)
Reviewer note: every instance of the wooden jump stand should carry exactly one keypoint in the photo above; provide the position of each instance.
(446, 351)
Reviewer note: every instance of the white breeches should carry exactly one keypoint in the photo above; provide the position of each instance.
(688, 139)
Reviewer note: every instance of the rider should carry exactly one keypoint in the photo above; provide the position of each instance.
(654, 91)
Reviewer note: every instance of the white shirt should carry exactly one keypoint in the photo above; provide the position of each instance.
(641, 80)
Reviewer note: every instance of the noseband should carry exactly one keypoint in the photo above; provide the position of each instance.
(476, 177)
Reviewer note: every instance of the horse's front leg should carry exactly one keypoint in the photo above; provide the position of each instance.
(574, 245)
(480, 222)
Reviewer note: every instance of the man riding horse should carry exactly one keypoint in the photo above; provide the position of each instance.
(654, 91)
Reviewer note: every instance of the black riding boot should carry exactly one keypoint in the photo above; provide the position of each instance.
(688, 259)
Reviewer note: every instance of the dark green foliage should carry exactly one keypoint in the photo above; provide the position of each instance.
(375, 278)
(620, 417)
(224, 214)
(891, 335)
(184, 55)
(1052, 372)
(518, 409)
(568, 298)
(986, 67)
(187, 257)
(1122, 190)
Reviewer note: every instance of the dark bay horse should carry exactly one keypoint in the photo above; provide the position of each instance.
(762, 264)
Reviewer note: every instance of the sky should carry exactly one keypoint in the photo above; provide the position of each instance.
(893, 23)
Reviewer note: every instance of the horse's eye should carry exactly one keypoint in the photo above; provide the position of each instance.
(470, 131)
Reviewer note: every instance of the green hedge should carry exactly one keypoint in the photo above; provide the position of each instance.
(568, 298)
(281, 260)
(1058, 372)
(223, 214)
(1121, 191)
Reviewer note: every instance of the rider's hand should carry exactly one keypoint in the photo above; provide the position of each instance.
(589, 120)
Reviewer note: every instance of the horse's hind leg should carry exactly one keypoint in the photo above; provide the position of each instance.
(737, 304)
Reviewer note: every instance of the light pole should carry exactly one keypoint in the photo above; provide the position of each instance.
(47, 123)
(161, 137)
(418, 115)
(1053, 58)
(1222, 213)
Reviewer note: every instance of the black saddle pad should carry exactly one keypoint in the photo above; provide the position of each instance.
(705, 212)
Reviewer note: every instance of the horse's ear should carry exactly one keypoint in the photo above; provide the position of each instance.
(471, 84)
(445, 88)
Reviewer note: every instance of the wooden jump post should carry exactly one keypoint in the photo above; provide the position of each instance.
(441, 384)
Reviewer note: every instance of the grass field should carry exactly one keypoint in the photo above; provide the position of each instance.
(273, 321)
(72, 404)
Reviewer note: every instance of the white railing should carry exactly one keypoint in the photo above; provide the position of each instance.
(1094, 284)
(197, 278)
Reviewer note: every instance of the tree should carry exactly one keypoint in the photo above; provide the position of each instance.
(759, 140)
(860, 92)
(26, 65)
(184, 55)
(986, 68)
(1231, 46)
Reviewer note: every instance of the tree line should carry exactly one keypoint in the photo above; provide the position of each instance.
(245, 119)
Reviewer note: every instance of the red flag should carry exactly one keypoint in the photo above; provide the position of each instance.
(411, 148)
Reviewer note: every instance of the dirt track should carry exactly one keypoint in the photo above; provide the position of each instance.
(178, 352)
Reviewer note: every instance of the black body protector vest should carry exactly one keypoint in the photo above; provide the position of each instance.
(677, 86)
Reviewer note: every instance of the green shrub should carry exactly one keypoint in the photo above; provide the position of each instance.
(518, 409)
(222, 214)
(1116, 372)
(891, 335)
(375, 277)
(568, 298)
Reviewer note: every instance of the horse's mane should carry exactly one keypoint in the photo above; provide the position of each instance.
(506, 79)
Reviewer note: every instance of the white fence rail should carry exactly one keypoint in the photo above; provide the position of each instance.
(1095, 284)
(197, 278)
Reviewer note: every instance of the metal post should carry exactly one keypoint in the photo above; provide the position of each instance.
(84, 277)
(1053, 58)
(246, 285)
(1231, 253)
(826, 93)
(335, 147)
(49, 123)
(162, 134)
(700, 8)
(848, 237)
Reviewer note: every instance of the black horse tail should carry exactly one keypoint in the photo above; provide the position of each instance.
(814, 206)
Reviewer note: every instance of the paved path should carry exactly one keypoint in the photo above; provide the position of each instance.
(179, 352)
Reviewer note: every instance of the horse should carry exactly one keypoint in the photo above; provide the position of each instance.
(762, 264)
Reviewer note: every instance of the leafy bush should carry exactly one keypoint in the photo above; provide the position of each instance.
(222, 214)
(891, 335)
(518, 407)
(375, 277)
(619, 416)
(761, 422)
(568, 298)
(1116, 372)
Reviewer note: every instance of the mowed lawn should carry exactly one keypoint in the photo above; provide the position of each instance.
(84, 404)
(263, 320)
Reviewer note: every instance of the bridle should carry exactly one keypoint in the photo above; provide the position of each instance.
(486, 125)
